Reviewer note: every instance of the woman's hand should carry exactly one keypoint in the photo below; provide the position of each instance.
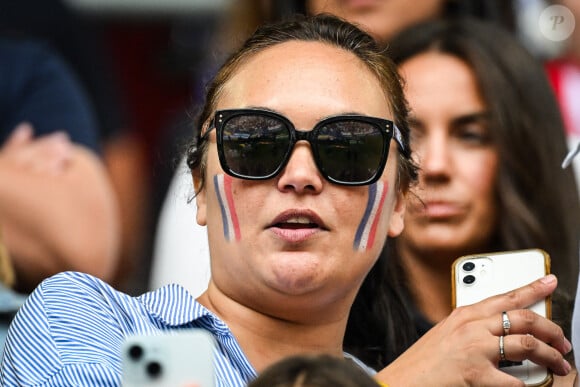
(50, 154)
(463, 349)
(59, 211)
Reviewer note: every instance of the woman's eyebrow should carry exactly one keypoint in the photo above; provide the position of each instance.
(471, 118)
(318, 119)
(414, 121)
(464, 119)
(264, 108)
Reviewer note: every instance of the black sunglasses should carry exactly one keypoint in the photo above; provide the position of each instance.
(256, 144)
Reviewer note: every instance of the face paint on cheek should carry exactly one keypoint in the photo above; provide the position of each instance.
(367, 229)
(223, 189)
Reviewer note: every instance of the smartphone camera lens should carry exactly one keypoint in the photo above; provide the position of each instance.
(154, 369)
(469, 279)
(135, 352)
(468, 266)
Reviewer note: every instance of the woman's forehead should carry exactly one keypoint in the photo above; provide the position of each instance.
(306, 75)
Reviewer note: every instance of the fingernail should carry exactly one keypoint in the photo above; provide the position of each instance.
(567, 346)
(550, 278)
(23, 130)
(567, 365)
(59, 136)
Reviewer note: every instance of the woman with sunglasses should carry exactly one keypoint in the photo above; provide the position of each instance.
(180, 250)
(301, 165)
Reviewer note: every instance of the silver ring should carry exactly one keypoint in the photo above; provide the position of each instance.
(505, 323)
(501, 349)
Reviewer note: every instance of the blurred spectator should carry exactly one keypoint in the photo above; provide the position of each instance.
(564, 74)
(384, 19)
(81, 42)
(58, 210)
(137, 72)
(489, 139)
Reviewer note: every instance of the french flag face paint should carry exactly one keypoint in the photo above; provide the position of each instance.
(223, 189)
(367, 229)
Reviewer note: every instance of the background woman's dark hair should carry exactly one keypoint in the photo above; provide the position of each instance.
(538, 201)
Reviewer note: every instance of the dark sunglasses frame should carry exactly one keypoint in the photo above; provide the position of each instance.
(386, 127)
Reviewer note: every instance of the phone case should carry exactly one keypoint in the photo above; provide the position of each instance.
(173, 358)
(479, 276)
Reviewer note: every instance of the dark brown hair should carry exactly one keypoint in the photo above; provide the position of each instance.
(314, 371)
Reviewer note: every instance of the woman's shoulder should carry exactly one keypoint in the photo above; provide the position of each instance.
(76, 291)
(84, 293)
(95, 300)
(75, 320)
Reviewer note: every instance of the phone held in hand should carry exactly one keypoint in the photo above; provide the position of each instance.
(169, 359)
(479, 276)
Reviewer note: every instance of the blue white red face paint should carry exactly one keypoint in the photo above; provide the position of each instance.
(367, 229)
(223, 189)
(365, 233)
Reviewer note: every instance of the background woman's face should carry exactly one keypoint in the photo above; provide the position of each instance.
(381, 18)
(458, 163)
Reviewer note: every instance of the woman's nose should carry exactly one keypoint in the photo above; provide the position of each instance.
(301, 174)
(433, 156)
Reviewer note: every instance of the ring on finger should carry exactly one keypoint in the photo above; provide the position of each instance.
(501, 349)
(505, 323)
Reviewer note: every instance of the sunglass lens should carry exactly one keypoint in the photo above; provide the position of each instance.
(350, 151)
(254, 145)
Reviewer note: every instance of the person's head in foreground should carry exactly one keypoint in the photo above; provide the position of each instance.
(301, 167)
(314, 371)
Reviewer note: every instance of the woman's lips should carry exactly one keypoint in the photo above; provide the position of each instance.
(441, 210)
(358, 5)
(294, 235)
(296, 226)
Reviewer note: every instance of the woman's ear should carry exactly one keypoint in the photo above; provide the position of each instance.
(200, 200)
(200, 193)
(397, 223)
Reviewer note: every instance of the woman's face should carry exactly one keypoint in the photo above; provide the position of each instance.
(457, 210)
(381, 18)
(294, 235)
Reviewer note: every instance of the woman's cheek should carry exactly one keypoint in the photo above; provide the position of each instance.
(224, 193)
(365, 236)
(366, 231)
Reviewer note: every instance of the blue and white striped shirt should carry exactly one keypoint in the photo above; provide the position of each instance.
(71, 328)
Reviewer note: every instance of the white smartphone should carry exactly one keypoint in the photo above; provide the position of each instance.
(169, 359)
(479, 276)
